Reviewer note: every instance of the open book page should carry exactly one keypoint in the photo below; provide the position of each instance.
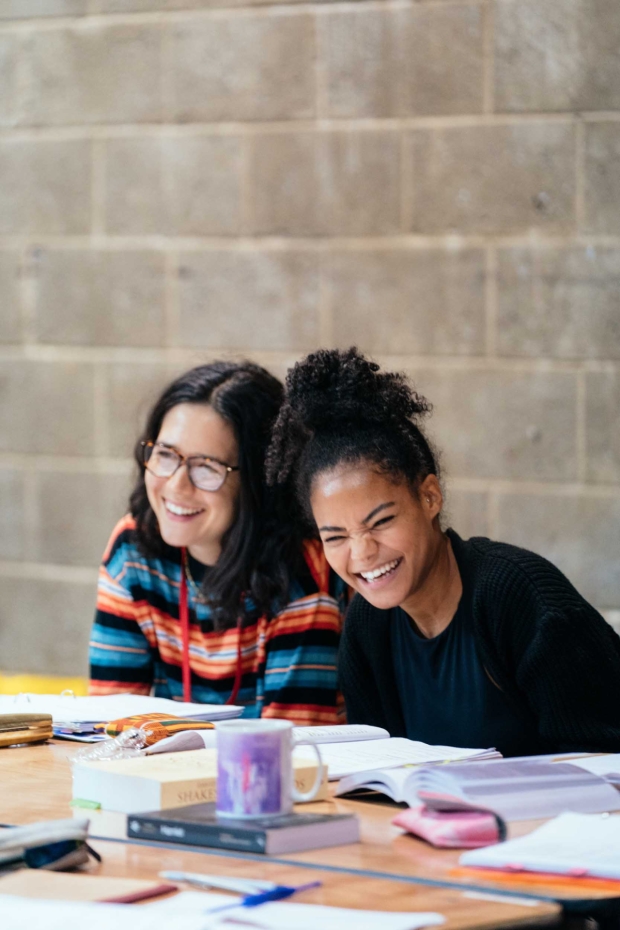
(576, 844)
(348, 758)
(346, 733)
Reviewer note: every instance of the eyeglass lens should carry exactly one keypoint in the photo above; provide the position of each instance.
(205, 474)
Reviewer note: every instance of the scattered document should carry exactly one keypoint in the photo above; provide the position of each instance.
(515, 789)
(75, 716)
(365, 755)
(20, 913)
(608, 766)
(283, 916)
(190, 911)
(571, 844)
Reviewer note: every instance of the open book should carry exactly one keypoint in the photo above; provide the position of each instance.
(516, 789)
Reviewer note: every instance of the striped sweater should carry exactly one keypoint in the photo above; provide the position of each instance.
(288, 663)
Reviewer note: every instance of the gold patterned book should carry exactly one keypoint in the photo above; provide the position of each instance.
(24, 728)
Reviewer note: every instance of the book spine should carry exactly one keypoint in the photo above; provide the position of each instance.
(218, 837)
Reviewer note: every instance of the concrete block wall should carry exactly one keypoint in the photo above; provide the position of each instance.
(437, 181)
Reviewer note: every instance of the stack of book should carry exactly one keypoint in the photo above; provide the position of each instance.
(107, 791)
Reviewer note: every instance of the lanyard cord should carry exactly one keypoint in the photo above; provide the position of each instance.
(184, 618)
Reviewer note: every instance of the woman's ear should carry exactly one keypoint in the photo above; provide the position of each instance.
(430, 496)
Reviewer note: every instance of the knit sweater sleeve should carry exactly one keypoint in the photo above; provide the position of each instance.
(559, 652)
(571, 673)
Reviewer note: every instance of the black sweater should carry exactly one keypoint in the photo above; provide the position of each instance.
(537, 638)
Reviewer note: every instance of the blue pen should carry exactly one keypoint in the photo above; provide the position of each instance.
(275, 894)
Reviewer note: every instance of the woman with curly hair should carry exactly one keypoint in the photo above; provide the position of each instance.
(207, 591)
(467, 643)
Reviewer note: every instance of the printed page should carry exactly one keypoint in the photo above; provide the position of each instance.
(370, 755)
(587, 844)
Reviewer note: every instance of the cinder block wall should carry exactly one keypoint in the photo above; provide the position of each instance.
(436, 181)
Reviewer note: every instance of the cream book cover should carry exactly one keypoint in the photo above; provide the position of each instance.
(150, 783)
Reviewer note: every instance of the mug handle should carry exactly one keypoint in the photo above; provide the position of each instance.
(299, 796)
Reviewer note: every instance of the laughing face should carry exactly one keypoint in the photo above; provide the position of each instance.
(186, 515)
(378, 535)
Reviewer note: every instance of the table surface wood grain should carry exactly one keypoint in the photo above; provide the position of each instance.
(35, 784)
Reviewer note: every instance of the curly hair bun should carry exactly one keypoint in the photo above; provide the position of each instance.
(332, 387)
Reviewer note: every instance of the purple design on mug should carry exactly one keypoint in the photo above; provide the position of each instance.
(249, 774)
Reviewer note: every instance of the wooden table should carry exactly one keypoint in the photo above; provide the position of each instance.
(35, 784)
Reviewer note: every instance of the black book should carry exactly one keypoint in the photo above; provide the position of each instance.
(199, 825)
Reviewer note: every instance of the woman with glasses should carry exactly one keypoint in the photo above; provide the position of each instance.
(207, 590)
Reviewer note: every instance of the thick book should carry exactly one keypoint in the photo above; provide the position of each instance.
(199, 825)
(526, 788)
(148, 783)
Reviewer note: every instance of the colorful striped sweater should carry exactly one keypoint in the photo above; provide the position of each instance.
(288, 663)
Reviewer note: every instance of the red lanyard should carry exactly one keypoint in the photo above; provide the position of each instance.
(184, 618)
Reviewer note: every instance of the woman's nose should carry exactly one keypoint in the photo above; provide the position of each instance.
(363, 548)
(180, 479)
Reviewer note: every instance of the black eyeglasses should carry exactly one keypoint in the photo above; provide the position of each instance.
(205, 473)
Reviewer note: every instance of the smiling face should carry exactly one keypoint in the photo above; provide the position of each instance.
(186, 515)
(379, 536)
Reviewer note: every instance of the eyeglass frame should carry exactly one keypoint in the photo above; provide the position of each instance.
(184, 460)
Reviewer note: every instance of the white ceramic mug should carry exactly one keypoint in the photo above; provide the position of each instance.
(255, 768)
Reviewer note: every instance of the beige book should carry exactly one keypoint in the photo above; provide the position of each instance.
(75, 886)
(153, 783)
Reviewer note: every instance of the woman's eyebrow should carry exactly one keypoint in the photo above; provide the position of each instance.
(373, 513)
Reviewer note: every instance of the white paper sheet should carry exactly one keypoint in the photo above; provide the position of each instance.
(69, 709)
(18, 913)
(599, 765)
(286, 916)
(367, 755)
(576, 844)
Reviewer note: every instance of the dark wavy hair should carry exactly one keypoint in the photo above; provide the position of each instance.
(340, 407)
(260, 551)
